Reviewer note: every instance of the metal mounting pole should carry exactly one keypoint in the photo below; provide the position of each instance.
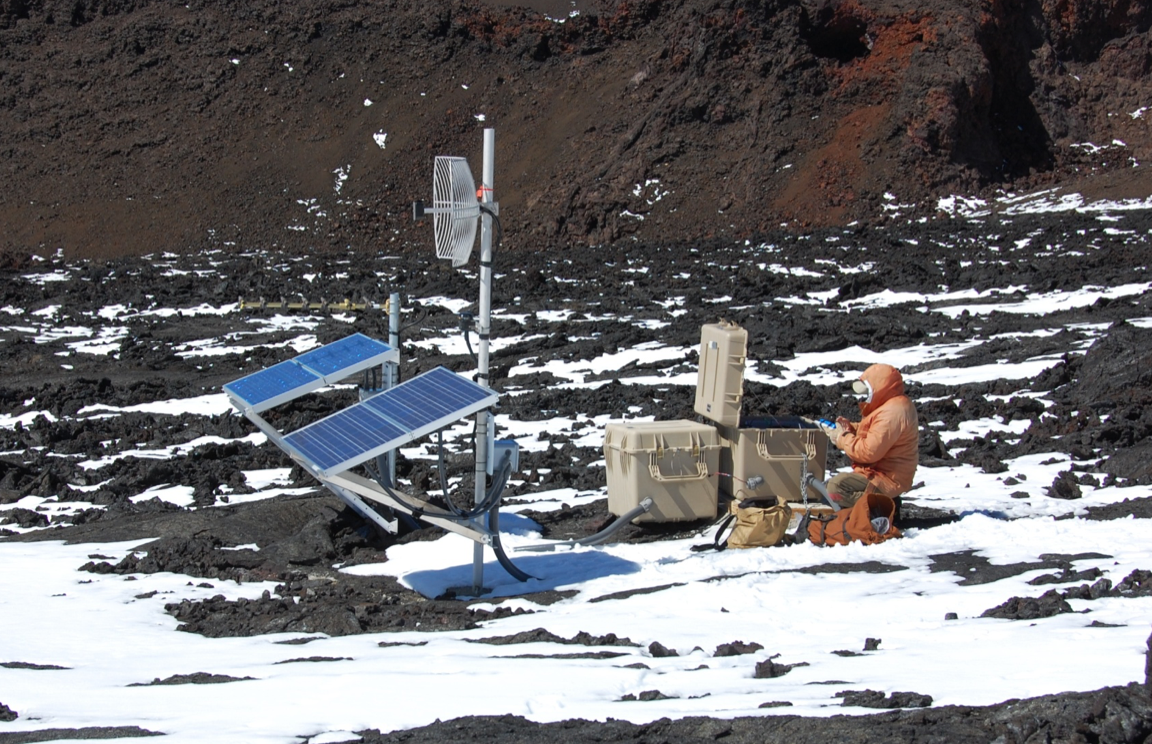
(393, 368)
(485, 324)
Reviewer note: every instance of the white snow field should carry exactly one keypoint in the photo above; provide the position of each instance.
(110, 632)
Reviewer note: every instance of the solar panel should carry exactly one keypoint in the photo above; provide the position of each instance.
(388, 420)
(347, 356)
(336, 439)
(271, 387)
(430, 396)
(310, 371)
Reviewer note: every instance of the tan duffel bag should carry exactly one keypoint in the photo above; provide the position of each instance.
(755, 524)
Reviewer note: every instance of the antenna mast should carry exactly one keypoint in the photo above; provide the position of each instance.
(456, 205)
(485, 324)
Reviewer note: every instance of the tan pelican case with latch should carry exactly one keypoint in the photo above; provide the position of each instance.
(720, 378)
(778, 450)
(673, 462)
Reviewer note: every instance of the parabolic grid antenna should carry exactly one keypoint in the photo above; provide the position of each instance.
(455, 209)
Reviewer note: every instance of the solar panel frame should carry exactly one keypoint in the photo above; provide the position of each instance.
(413, 409)
(429, 396)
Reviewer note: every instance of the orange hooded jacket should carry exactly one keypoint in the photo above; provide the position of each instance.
(884, 446)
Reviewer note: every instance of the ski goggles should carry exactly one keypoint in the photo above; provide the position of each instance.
(863, 390)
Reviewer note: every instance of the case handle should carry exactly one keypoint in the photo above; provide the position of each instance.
(654, 469)
(762, 449)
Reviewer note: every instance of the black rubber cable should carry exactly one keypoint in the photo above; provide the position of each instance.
(499, 229)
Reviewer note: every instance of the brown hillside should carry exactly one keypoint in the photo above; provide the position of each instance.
(129, 126)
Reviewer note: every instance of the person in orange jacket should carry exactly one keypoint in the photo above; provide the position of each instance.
(884, 445)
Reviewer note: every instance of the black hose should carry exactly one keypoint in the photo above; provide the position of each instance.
(420, 319)
(443, 476)
(380, 475)
(814, 482)
(491, 497)
(505, 561)
(468, 343)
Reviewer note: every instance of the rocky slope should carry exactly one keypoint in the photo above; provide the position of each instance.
(131, 125)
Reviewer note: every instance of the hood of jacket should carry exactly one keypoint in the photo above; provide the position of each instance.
(886, 383)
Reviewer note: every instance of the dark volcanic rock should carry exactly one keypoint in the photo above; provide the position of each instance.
(578, 655)
(76, 734)
(29, 665)
(1136, 584)
(769, 669)
(1141, 508)
(1030, 608)
(737, 648)
(647, 695)
(24, 518)
(7, 714)
(1148, 665)
(1067, 576)
(1115, 371)
(346, 607)
(626, 593)
(782, 111)
(540, 635)
(1114, 715)
(1054, 602)
(973, 568)
(1065, 487)
(874, 699)
(325, 535)
(196, 678)
(1133, 463)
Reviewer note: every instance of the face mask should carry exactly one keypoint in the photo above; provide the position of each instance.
(863, 390)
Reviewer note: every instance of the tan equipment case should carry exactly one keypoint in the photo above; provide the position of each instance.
(775, 453)
(720, 380)
(672, 462)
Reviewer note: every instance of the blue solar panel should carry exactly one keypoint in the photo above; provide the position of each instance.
(388, 420)
(309, 371)
(352, 353)
(263, 389)
(432, 395)
(341, 437)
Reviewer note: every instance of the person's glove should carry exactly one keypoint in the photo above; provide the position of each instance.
(833, 432)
